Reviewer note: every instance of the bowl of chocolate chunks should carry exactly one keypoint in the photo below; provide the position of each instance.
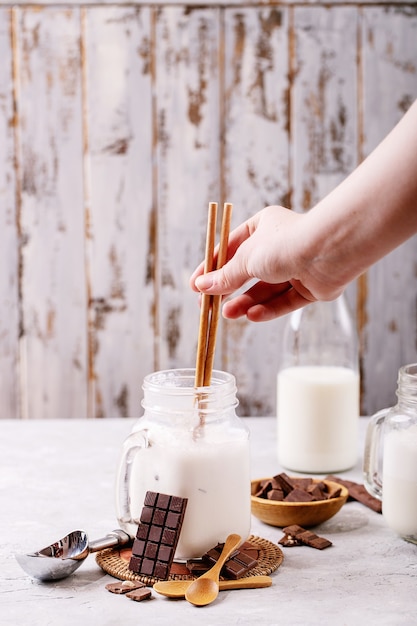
(284, 500)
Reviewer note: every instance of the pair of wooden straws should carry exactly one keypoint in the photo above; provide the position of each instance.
(210, 305)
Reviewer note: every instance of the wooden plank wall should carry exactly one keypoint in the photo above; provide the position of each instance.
(119, 123)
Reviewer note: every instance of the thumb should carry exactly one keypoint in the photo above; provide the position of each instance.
(224, 281)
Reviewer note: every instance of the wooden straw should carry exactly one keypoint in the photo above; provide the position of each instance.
(206, 299)
(216, 300)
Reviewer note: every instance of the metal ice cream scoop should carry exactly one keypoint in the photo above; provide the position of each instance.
(63, 557)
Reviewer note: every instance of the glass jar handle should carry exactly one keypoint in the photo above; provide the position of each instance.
(136, 442)
(372, 466)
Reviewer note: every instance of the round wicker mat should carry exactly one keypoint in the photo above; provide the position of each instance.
(116, 563)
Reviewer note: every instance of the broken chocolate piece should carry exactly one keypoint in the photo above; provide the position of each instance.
(275, 494)
(295, 489)
(124, 586)
(298, 495)
(303, 483)
(243, 559)
(157, 536)
(285, 482)
(236, 566)
(297, 535)
(139, 594)
(359, 493)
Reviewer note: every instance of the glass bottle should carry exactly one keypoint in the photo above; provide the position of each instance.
(390, 461)
(189, 443)
(318, 390)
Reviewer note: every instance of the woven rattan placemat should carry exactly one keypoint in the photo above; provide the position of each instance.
(116, 562)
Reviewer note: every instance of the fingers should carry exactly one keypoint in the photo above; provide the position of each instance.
(265, 302)
(216, 280)
(260, 293)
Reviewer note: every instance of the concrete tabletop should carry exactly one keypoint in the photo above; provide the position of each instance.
(58, 475)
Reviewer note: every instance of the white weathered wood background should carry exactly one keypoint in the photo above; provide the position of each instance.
(119, 123)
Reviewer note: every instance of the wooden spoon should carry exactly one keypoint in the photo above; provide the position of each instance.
(205, 589)
(178, 588)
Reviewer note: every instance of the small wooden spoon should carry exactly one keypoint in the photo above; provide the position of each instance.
(205, 589)
(178, 588)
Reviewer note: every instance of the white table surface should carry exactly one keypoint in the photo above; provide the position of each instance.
(57, 476)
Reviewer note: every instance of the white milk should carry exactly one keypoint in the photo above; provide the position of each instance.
(214, 476)
(318, 410)
(399, 481)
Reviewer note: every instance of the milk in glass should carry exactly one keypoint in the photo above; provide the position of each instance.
(317, 409)
(399, 503)
(390, 457)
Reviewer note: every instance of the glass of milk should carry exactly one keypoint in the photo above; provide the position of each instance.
(318, 390)
(390, 461)
(189, 443)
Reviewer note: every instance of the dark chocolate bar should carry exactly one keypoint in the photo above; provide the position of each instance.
(157, 536)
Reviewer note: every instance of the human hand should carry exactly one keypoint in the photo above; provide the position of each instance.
(267, 247)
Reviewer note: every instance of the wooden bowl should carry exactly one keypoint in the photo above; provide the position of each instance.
(305, 514)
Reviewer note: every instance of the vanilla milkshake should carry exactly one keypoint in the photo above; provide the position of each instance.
(214, 476)
(189, 444)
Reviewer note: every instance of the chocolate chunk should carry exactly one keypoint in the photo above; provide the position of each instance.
(238, 564)
(288, 541)
(298, 495)
(316, 491)
(139, 594)
(264, 487)
(157, 536)
(302, 483)
(197, 566)
(285, 482)
(301, 536)
(297, 489)
(124, 587)
(359, 493)
(275, 494)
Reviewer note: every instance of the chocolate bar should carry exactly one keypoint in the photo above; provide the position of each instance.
(157, 536)
(237, 565)
(359, 493)
(297, 535)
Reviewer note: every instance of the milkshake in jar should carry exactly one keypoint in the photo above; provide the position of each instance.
(390, 462)
(189, 443)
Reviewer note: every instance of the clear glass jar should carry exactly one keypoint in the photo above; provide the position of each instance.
(390, 460)
(318, 390)
(189, 443)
